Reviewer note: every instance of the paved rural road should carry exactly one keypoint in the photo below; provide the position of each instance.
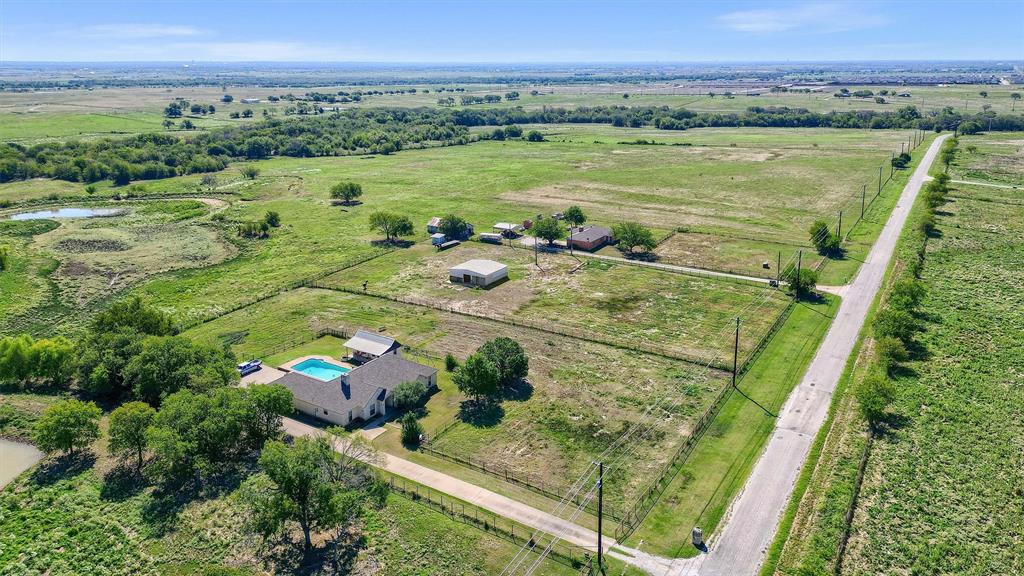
(496, 503)
(754, 516)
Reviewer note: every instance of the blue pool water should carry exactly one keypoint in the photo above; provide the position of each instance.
(320, 370)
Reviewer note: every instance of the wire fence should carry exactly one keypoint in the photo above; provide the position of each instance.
(532, 482)
(548, 328)
(293, 285)
(500, 526)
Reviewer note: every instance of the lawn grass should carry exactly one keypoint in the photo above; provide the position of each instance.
(722, 459)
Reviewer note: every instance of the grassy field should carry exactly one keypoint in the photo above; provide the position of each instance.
(704, 188)
(924, 484)
(936, 486)
(996, 158)
(78, 265)
(580, 396)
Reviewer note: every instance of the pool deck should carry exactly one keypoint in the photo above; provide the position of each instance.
(289, 365)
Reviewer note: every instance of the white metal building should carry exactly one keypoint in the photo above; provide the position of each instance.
(478, 273)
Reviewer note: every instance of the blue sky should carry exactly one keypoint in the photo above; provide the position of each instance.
(522, 31)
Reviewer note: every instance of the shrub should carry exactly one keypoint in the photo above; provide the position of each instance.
(450, 362)
(272, 219)
(411, 429)
(410, 394)
(802, 283)
(346, 191)
(250, 172)
(895, 323)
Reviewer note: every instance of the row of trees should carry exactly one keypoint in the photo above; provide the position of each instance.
(897, 322)
(388, 130)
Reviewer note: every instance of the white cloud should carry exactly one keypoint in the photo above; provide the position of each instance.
(814, 18)
(136, 31)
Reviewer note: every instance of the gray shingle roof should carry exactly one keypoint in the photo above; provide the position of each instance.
(590, 233)
(370, 381)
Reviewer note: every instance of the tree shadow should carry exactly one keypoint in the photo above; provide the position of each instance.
(287, 556)
(52, 470)
(890, 424)
(640, 256)
(519, 391)
(122, 482)
(169, 498)
(397, 243)
(917, 351)
(483, 413)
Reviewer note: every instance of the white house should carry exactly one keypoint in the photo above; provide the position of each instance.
(366, 345)
(478, 273)
(364, 393)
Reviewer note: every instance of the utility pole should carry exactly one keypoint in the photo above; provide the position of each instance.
(778, 268)
(863, 192)
(799, 264)
(879, 193)
(600, 514)
(892, 167)
(735, 352)
(839, 228)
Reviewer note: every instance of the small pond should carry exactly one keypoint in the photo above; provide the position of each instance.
(66, 213)
(15, 458)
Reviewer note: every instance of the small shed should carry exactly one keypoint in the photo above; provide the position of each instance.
(508, 229)
(490, 237)
(433, 225)
(437, 239)
(478, 273)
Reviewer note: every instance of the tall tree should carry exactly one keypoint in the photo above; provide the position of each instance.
(574, 215)
(391, 225)
(128, 425)
(307, 486)
(68, 425)
(631, 236)
(508, 357)
(548, 229)
(266, 404)
(477, 377)
(346, 191)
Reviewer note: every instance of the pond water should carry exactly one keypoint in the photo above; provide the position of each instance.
(66, 213)
(15, 458)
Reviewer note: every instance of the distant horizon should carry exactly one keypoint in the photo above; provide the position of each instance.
(1009, 60)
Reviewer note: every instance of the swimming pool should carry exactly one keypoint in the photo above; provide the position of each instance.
(320, 370)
